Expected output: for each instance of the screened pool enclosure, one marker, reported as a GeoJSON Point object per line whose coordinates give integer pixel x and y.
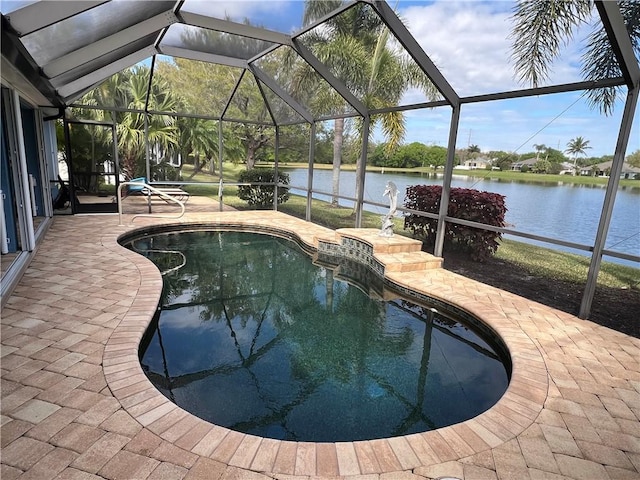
{"type": "Point", "coordinates": [125, 76]}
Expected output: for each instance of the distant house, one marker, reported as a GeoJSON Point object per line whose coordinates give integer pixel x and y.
{"type": "Point", "coordinates": [567, 168]}
{"type": "Point", "coordinates": [479, 163]}
{"type": "Point", "coordinates": [529, 162]}
{"type": "Point", "coordinates": [604, 169]}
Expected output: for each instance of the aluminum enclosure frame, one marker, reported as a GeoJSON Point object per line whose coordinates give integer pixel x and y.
{"type": "Point", "coordinates": [41, 15]}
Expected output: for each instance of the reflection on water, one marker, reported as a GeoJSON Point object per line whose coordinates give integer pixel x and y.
{"type": "Point", "coordinates": [252, 336]}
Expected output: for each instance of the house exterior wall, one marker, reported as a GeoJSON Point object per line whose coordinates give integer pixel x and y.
{"type": "Point", "coordinates": [26, 194]}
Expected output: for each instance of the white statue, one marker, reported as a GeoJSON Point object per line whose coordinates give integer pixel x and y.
{"type": "Point", "coordinates": [387, 220]}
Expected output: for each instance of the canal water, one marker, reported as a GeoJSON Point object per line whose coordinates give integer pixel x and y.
{"type": "Point", "coordinates": [563, 211]}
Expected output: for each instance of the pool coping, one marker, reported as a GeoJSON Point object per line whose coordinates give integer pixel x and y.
{"type": "Point", "coordinates": [510, 416]}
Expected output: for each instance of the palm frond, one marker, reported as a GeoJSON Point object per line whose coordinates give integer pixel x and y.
{"type": "Point", "coordinates": [381, 46]}
{"type": "Point", "coordinates": [316, 9]}
{"type": "Point", "coordinates": [540, 29]}
{"type": "Point", "coordinates": [417, 78]}
{"type": "Point", "coordinates": [394, 128]}
{"type": "Point", "coordinates": [347, 58]}
{"type": "Point", "coordinates": [599, 60]}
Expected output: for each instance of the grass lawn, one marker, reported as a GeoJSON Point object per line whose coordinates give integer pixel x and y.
{"type": "Point", "coordinates": [568, 267]}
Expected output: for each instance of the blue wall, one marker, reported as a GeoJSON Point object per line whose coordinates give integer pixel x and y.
{"type": "Point", "coordinates": [9, 196]}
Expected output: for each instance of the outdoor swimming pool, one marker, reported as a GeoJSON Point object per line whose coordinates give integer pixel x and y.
{"type": "Point", "coordinates": [253, 336]}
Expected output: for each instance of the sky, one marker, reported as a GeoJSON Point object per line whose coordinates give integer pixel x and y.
{"type": "Point", "coordinates": [469, 42]}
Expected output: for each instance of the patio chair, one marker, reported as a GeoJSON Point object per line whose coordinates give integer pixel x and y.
{"type": "Point", "coordinates": [143, 189]}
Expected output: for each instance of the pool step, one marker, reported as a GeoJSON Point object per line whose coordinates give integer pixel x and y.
{"type": "Point", "coordinates": [371, 237]}
{"type": "Point", "coordinates": [383, 254]}
{"type": "Point", "coordinates": [408, 262]}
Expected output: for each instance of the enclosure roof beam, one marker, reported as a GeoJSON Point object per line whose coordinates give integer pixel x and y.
{"type": "Point", "coordinates": [413, 106]}
{"type": "Point", "coordinates": [149, 84]}
{"type": "Point", "coordinates": [140, 110]}
{"type": "Point", "coordinates": [16, 54]}
{"type": "Point", "coordinates": [414, 49]}
{"type": "Point", "coordinates": [108, 44]}
{"type": "Point", "coordinates": [324, 72]}
{"type": "Point", "coordinates": [532, 92]}
{"type": "Point", "coordinates": [103, 73]}
{"type": "Point", "coordinates": [233, 92]}
{"type": "Point", "coordinates": [266, 102]}
{"type": "Point", "coordinates": [203, 57]}
{"type": "Point", "coordinates": [320, 21]}
{"type": "Point", "coordinates": [234, 28]}
{"type": "Point", "coordinates": [614, 25]}
{"type": "Point", "coordinates": [275, 88]}
{"type": "Point", "coordinates": [68, 101]}
{"type": "Point", "coordinates": [38, 15]}
{"type": "Point", "coordinates": [245, 121]}
{"type": "Point", "coordinates": [263, 53]}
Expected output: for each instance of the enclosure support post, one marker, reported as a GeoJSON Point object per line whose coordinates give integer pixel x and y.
{"type": "Point", "coordinates": [147, 152]}
{"type": "Point", "coordinates": [609, 199]}
{"type": "Point", "coordinates": [220, 151]}
{"type": "Point", "coordinates": [312, 153]}
{"type": "Point", "coordinates": [275, 169]}
{"type": "Point", "coordinates": [70, 169]}
{"type": "Point", "coordinates": [360, 171]}
{"type": "Point", "coordinates": [446, 182]}
{"type": "Point", "coordinates": [116, 159]}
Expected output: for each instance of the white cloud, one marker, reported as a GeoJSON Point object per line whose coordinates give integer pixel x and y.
{"type": "Point", "coordinates": [466, 41]}
{"type": "Point", "coordinates": [469, 42]}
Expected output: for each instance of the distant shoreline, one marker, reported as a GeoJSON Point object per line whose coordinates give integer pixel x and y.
{"type": "Point", "coordinates": [503, 175]}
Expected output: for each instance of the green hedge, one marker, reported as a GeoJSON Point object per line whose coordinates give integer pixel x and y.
{"type": "Point", "coordinates": [262, 195]}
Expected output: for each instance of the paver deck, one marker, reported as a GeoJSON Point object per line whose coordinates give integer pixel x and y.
{"type": "Point", "coordinates": [76, 404]}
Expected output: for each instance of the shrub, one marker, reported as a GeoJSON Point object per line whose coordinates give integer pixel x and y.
{"type": "Point", "coordinates": [466, 204]}
{"type": "Point", "coordinates": [262, 195]}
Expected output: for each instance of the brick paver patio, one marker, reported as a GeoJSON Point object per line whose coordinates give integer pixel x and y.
{"type": "Point", "coordinates": [76, 404]}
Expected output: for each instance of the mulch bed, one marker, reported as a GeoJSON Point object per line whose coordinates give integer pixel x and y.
{"type": "Point", "coordinates": [616, 308]}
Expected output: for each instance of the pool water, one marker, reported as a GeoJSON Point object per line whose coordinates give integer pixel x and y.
{"type": "Point", "coordinates": [251, 335]}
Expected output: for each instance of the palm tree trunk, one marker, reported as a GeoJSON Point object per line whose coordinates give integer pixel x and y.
{"type": "Point", "coordinates": [196, 165]}
{"type": "Point", "coordinates": [338, 138]}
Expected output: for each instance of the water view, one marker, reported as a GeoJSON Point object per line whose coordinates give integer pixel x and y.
{"type": "Point", "coordinates": [566, 212]}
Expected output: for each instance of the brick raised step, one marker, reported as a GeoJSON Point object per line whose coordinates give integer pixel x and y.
{"type": "Point", "coordinates": [408, 262]}
{"type": "Point", "coordinates": [371, 236]}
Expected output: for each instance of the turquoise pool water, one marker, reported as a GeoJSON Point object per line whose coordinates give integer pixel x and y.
{"type": "Point", "coordinates": [251, 335]}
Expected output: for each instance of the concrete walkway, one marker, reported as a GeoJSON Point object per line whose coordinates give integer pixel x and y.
{"type": "Point", "coordinates": [76, 404]}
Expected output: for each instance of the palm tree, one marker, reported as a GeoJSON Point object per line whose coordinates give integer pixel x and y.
{"type": "Point", "coordinates": [130, 128]}
{"type": "Point", "coordinates": [356, 47]}
{"type": "Point", "coordinates": [473, 148]}
{"type": "Point", "coordinates": [199, 138]}
{"type": "Point", "coordinates": [575, 147]}
{"type": "Point", "coordinates": [543, 26]}
{"type": "Point", "coordinates": [540, 147]}
{"type": "Point", "coordinates": [128, 89]}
